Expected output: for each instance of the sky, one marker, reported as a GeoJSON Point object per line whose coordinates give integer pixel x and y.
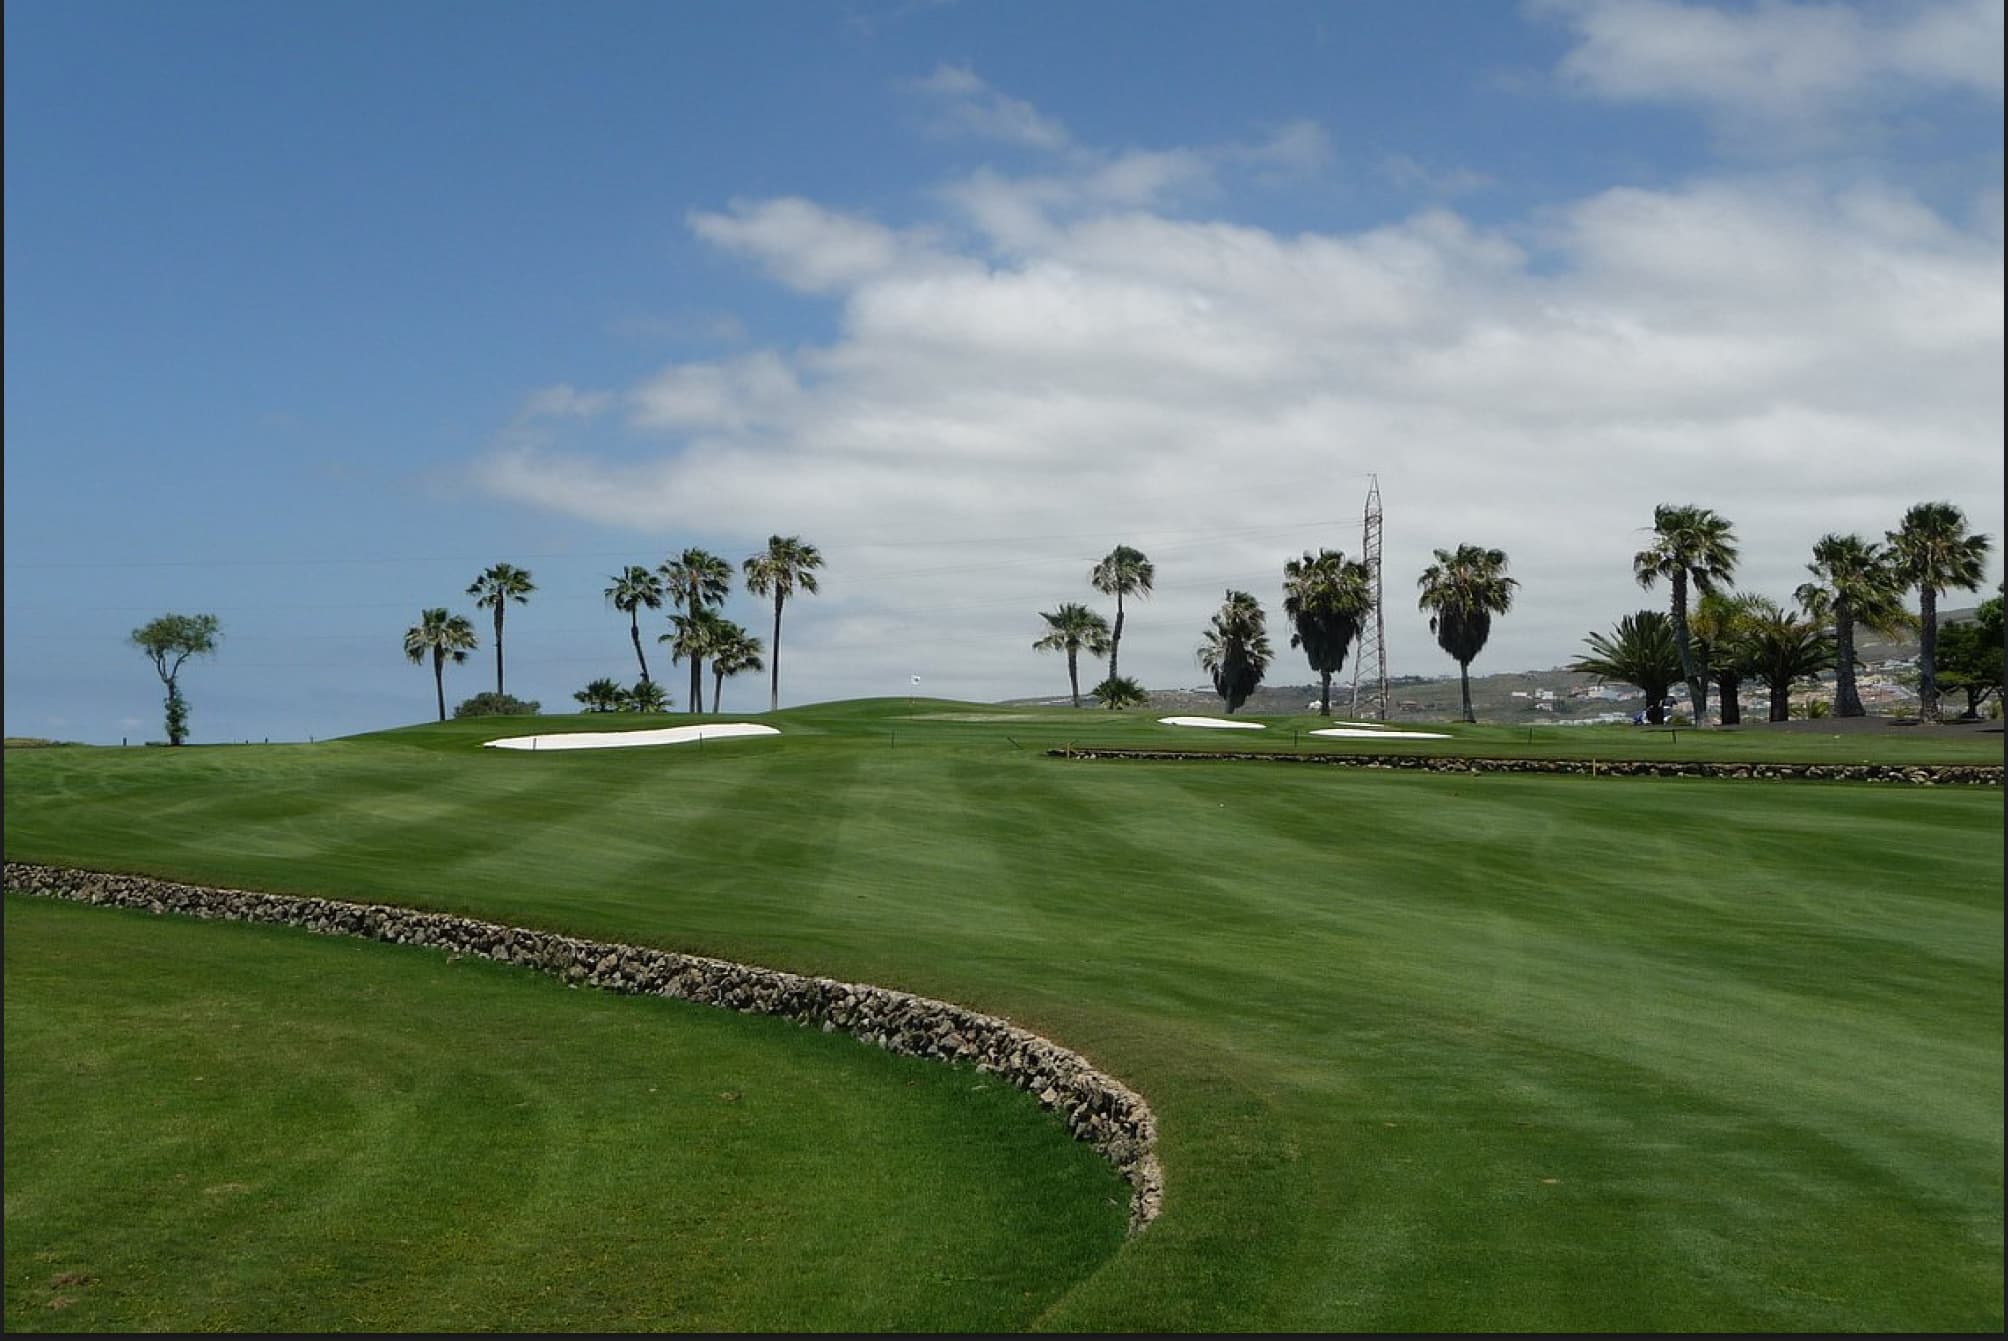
{"type": "Point", "coordinates": [315, 311]}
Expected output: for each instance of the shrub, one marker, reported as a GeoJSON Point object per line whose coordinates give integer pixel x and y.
{"type": "Point", "coordinates": [491, 704]}
{"type": "Point", "coordinates": [1119, 692]}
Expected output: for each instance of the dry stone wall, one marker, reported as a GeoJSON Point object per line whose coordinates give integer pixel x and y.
{"type": "Point", "coordinates": [1980, 775]}
{"type": "Point", "coordinates": [1095, 1107]}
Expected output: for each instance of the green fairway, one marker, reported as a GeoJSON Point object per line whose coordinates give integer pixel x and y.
{"type": "Point", "coordinates": [1428, 1052]}
{"type": "Point", "coordinates": [224, 1128]}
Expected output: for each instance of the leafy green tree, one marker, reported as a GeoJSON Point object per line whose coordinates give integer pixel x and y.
{"type": "Point", "coordinates": [1235, 651]}
{"type": "Point", "coordinates": [485, 704]}
{"type": "Point", "coordinates": [737, 651]}
{"type": "Point", "coordinates": [644, 696]}
{"type": "Point", "coordinates": [1640, 650]}
{"type": "Point", "coordinates": [169, 641]}
{"type": "Point", "coordinates": [1934, 552]}
{"type": "Point", "coordinates": [444, 636]}
{"type": "Point", "coordinates": [635, 588]}
{"type": "Point", "coordinates": [494, 590]}
{"type": "Point", "coordinates": [1784, 650]}
{"type": "Point", "coordinates": [697, 580]}
{"type": "Point", "coordinates": [1122, 572]}
{"type": "Point", "coordinates": [601, 695]}
{"type": "Point", "coordinates": [1689, 543]}
{"type": "Point", "coordinates": [785, 565]}
{"type": "Point", "coordinates": [1073, 628]}
{"type": "Point", "coordinates": [1853, 584]}
{"type": "Point", "coordinates": [1326, 597]}
{"type": "Point", "coordinates": [1463, 589]}
{"type": "Point", "coordinates": [1969, 656]}
{"type": "Point", "coordinates": [693, 636]}
{"type": "Point", "coordinates": [1119, 692]}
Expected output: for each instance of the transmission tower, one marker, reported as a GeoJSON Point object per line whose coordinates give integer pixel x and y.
{"type": "Point", "coordinates": [1373, 632]}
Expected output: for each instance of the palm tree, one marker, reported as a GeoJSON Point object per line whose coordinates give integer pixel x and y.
{"type": "Point", "coordinates": [737, 651]}
{"type": "Point", "coordinates": [1235, 651]}
{"type": "Point", "coordinates": [443, 635]}
{"type": "Point", "coordinates": [695, 580]}
{"type": "Point", "coordinates": [1119, 693]}
{"type": "Point", "coordinates": [634, 588]}
{"type": "Point", "coordinates": [601, 695]}
{"type": "Point", "coordinates": [644, 696]}
{"type": "Point", "coordinates": [1853, 584]}
{"type": "Point", "coordinates": [1722, 626]}
{"type": "Point", "coordinates": [1640, 651]}
{"type": "Point", "coordinates": [1462, 591]}
{"type": "Point", "coordinates": [1070, 629]}
{"type": "Point", "coordinates": [1783, 650]}
{"type": "Point", "coordinates": [1326, 598]}
{"type": "Point", "coordinates": [1933, 552]}
{"type": "Point", "coordinates": [1122, 572]}
{"type": "Point", "coordinates": [503, 583]}
{"type": "Point", "coordinates": [1689, 542]}
{"type": "Point", "coordinates": [786, 563]}
{"type": "Point", "coordinates": [693, 637]}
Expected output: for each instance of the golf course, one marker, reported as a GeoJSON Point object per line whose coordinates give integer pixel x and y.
{"type": "Point", "coordinates": [1427, 1051]}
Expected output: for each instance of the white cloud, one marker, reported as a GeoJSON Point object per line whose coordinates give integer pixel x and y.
{"type": "Point", "coordinates": [1092, 369]}
{"type": "Point", "coordinates": [1788, 65]}
{"type": "Point", "coordinates": [565, 401]}
{"type": "Point", "coordinates": [966, 105]}
{"type": "Point", "coordinates": [1411, 175]}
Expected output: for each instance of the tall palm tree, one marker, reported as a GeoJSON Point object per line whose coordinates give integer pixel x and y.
{"type": "Point", "coordinates": [1639, 651]}
{"type": "Point", "coordinates": [737, 651]}
{"type": "Point", "coordinates": [1852, 585]}
{"type": "Point", "coordinates": [1934, 552]}
{"type": "Point", "coordinates": [693, 637]}
{"type": "Point", "coordinates": [1070, 629]}
{"type": "Point", "coordinates": [1784, 650]}
{"type": "Point", "coordinates": [443, 635]}
{"type": "Point", "coordinates": [786, 564]}
{"type": "Point", "coordinates": [1122, 572]}
{"type": "Point", "coordinates": [635, 588]}
{"type": "Point", "coordinates": [1325, 598]}
{"type": "Point", "coordinates": [696, 580]}
{"type": "Point", "coordinates": [601, 695]}
{"type": "Point", "coordinates": [1462, 590]}
{"type": "Point", "coordinates": [1689, 542]}
{"type": "Point", "coordinates": [503, 583]}
{"type": "Point", "coordinates": [1235, 651]}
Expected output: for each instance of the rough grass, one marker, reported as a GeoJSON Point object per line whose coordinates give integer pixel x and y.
{"type": "Point", "coordinates": [1428, 1052]}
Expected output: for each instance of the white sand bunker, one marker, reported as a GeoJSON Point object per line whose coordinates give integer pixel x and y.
{"type": "Point", "coordinates": [1378, 733]}
{"type": "Point", "coordinates": [1211, 721]}
{"type": "Point", "coordinates": [615, 740]}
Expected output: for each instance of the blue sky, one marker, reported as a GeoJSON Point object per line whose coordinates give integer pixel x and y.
{"type": "Point", "coordinates": [314, 311]}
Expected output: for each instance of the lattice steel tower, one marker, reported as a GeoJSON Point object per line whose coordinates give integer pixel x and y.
{"type": "Point", "coordinates": [1373, 631]}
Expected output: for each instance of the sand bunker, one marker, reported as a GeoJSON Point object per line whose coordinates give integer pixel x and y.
{"type": "Point", "coordinates": [615, 740]}
{"type": "Point", "coordinates": [1378, 733]}
{"type": "Point", "coordinates": [1211, 721]}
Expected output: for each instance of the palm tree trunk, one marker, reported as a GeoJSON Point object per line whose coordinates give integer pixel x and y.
{"type": "Point", "coordinates": [439, 679]}
{"type": "Point", "coordinates": [1697, 685]}
{"type": "Point", "coordinates": [717, 685]}
{"type": "Point", "coordinates": [696, 683]}
{"type": "Point", "coordinates": [498, 649]}
{"type": "Point", "coordinates": [1927, 652]}
{"type": "Point", "coordinates": [774, 681]}
{"type": "Point", "coordinates": [1727, 684]}
{"type": "Point", "coordinates": [1847, 700]}
{"type": "Point", "coordinates": [1324, 693]}
{"type": "Point", "coordinates": [1464, 683]}
{"type": "Point", "coordinates": [1074, 674]}
{"type": "Point", "coordinates": [634, 631]}
{"type": "Point", "coordinates": [1116, 638]}
{"type": "Point", "coordinates": [1781, 700]}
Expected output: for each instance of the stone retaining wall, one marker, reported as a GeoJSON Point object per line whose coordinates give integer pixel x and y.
{"type": "Point", "coordinates": [1095, 1107]}
{"type": "Point", "coordinates": [1979, 775]}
